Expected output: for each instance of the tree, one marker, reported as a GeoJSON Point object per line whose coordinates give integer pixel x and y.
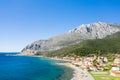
{"type": "Point", "coordinates": [95, 63]}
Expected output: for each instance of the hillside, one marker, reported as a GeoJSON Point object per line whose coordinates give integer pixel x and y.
{"type": "Point", "coordinates": [115, 35]}
{"type": "Point", "coordinates": [108, 45]}
{"type": "Point", "coordinates": [96, 30]}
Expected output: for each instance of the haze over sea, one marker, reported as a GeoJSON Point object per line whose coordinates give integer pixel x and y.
{"type": "Point", "coordinates": [32, 68]}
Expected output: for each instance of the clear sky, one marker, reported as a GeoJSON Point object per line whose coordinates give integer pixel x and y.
{"type": "Point", "coordinates": [25, 21]}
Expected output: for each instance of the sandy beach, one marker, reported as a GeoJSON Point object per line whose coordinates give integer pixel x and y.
{"type": "Point", "coordinates": [79, 74]}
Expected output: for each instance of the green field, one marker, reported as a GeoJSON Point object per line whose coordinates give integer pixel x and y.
{"type": "Point", "coordinates": [104, 76]}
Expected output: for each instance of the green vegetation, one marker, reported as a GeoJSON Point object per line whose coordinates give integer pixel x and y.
{"type": "Point", "coordinates": [107, 46]}
{"type": "Point", "coordinates": [94, 63]}
{"type": "Point", "coordinates": [86, 48]}
{"type": "Point", "coordinates": [104, 76]}
{"type": "Point", "coordinates": [107, 67]}
{"type": "Point", "coordinates": [116, 35]}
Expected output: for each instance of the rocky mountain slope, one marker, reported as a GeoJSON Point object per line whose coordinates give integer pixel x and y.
{"type": "Point", "coordinates": [96, 30]}
{"type": "Point", "coordinates": [106, 46]}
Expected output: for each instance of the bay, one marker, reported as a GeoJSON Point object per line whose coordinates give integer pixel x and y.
{"type": "Point", "coordinates": [32, 68]}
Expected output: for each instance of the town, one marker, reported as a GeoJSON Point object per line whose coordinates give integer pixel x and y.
{"type": "Point", "coordinates": [98, 65]}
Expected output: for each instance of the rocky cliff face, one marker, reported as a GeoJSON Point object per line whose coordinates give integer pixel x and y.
{"type": "Point", "coordinates": [96, 30]}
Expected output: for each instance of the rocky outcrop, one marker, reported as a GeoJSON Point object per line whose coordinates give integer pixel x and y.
{"type": "Point", "coordinates": [96, 30]}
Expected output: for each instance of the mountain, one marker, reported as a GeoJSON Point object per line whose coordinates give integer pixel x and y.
{"type": "Point", "coordinates": [115, 35]}
{"type": "Point", "coordinates": [108, 45]}
{"type": "Point", "coordinates": [96, 30]}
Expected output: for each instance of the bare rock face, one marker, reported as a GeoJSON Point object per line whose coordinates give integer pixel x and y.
{"type": "Point", "coordinates": [96, 30]}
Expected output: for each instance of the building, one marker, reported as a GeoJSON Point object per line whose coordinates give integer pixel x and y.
{"type": "Point", "coordinates": [117, 61]}
{"type": "Point", "coordinates": [115, 71]}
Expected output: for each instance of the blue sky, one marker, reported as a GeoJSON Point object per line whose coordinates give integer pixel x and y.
{"type": "Point", "coordinates": [25, 21]}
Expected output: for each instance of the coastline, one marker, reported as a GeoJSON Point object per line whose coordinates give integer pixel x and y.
{"type": "Point", "coordinates": [78, 73]}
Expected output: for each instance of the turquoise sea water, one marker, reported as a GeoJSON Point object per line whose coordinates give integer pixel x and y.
{"type": "Point", "coordinates": [32, 68]}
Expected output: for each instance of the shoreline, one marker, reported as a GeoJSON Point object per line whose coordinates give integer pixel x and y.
{"type": "Point", "coordinates": [78, 73]}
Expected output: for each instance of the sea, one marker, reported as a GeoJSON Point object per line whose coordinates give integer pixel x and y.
{"type": "Point", "coordinates": [32, 68]}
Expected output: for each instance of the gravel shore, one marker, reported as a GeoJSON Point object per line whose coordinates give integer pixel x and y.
{"type": "Point", "coordinates": [79, 74]}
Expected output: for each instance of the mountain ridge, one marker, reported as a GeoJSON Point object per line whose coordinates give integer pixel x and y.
{"type": "Point", "coordinates": [96, 30]}
{"type": "Point", "coordinates": [102, 47]}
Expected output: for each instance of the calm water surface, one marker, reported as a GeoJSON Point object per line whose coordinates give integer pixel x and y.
{"type": "Point", "coordinates": [32, 68]}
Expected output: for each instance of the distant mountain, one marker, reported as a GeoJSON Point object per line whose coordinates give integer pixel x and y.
{"type": "Point", "coordinates": [96, 30]}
